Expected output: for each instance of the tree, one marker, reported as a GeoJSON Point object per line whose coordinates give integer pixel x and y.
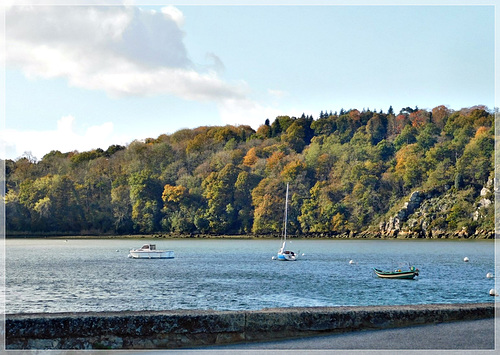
{"type": "Point", "coordinates": [245, 183]}
{"type": "Point", "coordinates": [279, 125]}
{"type": "Point", "coordinates": [346, 127]}
{"type": "Point", "coordinates": [400, 122]}
{"type": "Point", "coordinates": [176, 209]}
{"type": "Point", "coordinates": [275, 162]}
{"type": "Point", "coordinates": [145, 197]}
{"type": "Point", "coordinates": [219, 192]}
{"type": "Point", "coordinates": [377, 128]}
{"type": "Point", "coordinates": [294, 136]}
{"type": "Point", "coordinates": [324, 126]}
{"type": "Point", "coordinates": [94, 193]}
{"type": "Point", "coordinates": [407, 136]}
{"type": "Point", "coordinates": [292, 170]}
{"type": "Point", "coordinates": [476, 163]}
{"type": "Point", "coordinates": [122, 209]}
{"type": "Point", "coordinates": [52, 202]}
{"type": "Point", "coordinates": [441, 176]}
{"type": "Point", "coordinates": [17, 217]}
{"type": "Point", "coordinates": [264, 131]}
{"type": "Point", "coordinates": [410, 165]}
{"type": "Point", "coordinates": [319, 214]}
{"type": "Point", "coordinates": [268, 201]}
{"type": "Point", "coordinates": [428, 136]}
{"type": "Point", "coordinates": [419, 118]}
{"type": "Point", "coordinates": [251, 157]}
{"type": "Point", "coordinates": [384, 150]}
{"type": "Point", "coordinates": [439, 116]}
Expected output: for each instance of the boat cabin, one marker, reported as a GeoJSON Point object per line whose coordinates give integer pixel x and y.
{"type": "Point", "coordinates": [149, 247]}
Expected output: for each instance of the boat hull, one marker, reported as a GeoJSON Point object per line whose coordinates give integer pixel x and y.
{"type": "Point", "coordinates": [286, 257]}
{"type": "Point", "coordinates": [395, 274]}
{"type": "Point", "coordinates": [156, 254]}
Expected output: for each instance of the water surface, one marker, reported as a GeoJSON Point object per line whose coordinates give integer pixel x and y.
{"type": "Point", "coordinates": [55, 275]}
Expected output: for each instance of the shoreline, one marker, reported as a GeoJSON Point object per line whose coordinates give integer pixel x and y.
{"type": "Point", "coordinates": [360, 236]}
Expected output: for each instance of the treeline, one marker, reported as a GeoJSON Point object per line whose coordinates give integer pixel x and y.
{"type": "Point", "coordinates": [346, 170]}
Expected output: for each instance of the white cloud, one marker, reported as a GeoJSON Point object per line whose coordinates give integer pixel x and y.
{"type": "Point", "coordinates": [246, 112]}
{"type": "Point", "coordinates": [121, 50]}
{"type": "Point", "coordinates": [277, 93]}
{"type": "Point", "coordinates": [63, 138]}
{"type": "Point", "coordinates": [174, 13]}
{"type": "Point", "coordinates": [217, 64]}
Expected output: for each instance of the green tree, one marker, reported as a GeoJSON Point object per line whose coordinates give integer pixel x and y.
{"type": "Point", "coordinates": [145, 197]}
{"type": "Point", "coordinates": [410, 165]}
{"type": "Point", "coordinates": [178, 207]}
{"type": "Point", "coordinates": [17, 217]}
{"type": "Point", "coordinates": [320, 214]}
{"type": "Point", "coordinates": [95, 193]}
{"type": "Point", "coordinates": [407, 136]}
{"type": "Point", "coordinates": [476, 163]}
{"type": "Point", "coordinates": [122, 209]}
{"type": "Point", "coordinates": [245, 183]}
{"type": "Point", "coordinates": [52, 202]}
{"type": "Point", "coordinates": [219, 190]}
{"type": "Point", "coordinates": [377, 128]}
{"type": "Point", "coordinates": [295, 137]}
{"type": "Point", "coordinates": [428, 136]}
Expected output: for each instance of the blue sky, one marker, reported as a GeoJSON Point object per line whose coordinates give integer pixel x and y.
{"type": "Point", "coordinates": [79, 78]}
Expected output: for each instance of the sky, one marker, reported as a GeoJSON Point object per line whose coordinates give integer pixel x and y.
{"type": "Point", "coordinates": [86, 77]}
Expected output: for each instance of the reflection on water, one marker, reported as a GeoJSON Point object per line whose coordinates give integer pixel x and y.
{"type": "Point", "coordinates": [54, 275]}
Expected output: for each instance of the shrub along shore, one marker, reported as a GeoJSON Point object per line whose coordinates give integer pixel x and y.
{"type": "Point", "coordinates": [462, 235]}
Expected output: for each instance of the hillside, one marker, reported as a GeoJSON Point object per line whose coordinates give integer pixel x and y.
{"type": "Point", "coordinates": [418, 173]}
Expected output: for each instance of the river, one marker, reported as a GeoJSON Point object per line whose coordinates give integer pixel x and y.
{"type": "Point", "coordinates": [78, 275]}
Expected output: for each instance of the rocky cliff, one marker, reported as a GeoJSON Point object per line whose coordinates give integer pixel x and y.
{"type": "Point", "coordinates": [443, 214]}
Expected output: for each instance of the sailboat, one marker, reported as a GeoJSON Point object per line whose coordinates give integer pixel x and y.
{"type": "Point", "coordinates": [283, 253]}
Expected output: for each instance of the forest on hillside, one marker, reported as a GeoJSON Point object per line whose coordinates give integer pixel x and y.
{"type": "Point", "coordinates": [347, 170]}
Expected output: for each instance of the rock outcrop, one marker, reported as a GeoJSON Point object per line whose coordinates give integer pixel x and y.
{"type": "Point", "coordinates": [427, 215]}
{"type": "Point", "coordinates": [393, 226]}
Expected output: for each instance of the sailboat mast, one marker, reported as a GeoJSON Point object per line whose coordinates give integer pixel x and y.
{"type": "Point", "coordinates": [286, 209]}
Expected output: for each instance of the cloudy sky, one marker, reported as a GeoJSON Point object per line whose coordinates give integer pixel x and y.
{"type": "Point", "coordinates": [86, 77]}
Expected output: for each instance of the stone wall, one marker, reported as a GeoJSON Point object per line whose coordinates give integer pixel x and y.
{"type": "Point", "coordinates": [178, 329]}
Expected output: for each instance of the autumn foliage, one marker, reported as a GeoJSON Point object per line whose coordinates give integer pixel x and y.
{"type": "Point", "coordinates": [346, 170]}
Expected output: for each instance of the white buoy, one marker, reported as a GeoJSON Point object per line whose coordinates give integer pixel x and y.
{"type": "Point", "coordinates": [351, 261]}
{"type": "Point", "coordinates": [303, 254]}
{"type": "Point", "coordinates": [489, 275]}
{"type": "Point", "coordinates": [466, 259]}
{"type": "Point", "coordinates": [493, 292]}
{"type": "Point", "coordinates": [273, 258]}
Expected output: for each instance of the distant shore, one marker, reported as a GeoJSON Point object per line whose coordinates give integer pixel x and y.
{"type": "Point", "coordinates": [373, 235]}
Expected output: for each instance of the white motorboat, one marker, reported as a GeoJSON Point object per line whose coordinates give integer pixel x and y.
{"type": "Point", "coordinates": [149, 251]}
